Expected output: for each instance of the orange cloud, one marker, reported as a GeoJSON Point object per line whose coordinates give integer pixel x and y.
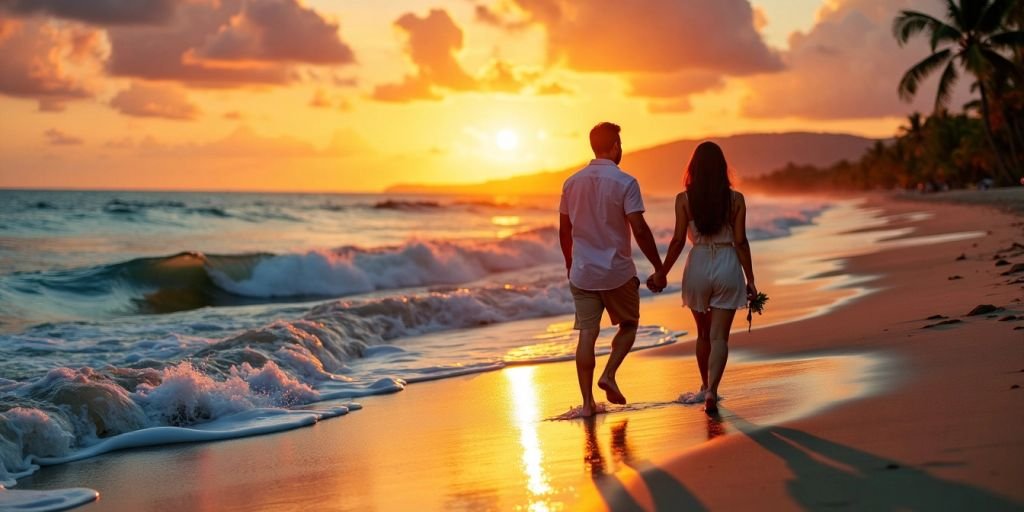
{"type": "Point", "coordinates": [846, 67]}
{"type": "Point", "coordinates": [683, 83]}
{"type": "Point", "coordinates": [321, 99]}
{"type": "Point", "coordinates": [226, 43]}
{"type": "Point", "coordinates": [48, 62]}
{"type": "Point", "coordinates": [653, 35]}
{"type": "Point", "coordinates": [245, 144]}
{"type": "Point", "coordinates": [671, 91]}
{"type": "Point", "coordinates": [760, 19]}
{"type": "Point", "coordinates": [433, 41]}
{"type": "Point", "coordinates": [106, 12]}
{"type": "Point", "coordinates": [551, 89]}
{"type": "Point", "coordinates": [55, 137]}
{"type": "Point", "coordinates": [153, 100]}
{"type": "Point", "coordinates": [279, 30]}
{"type": "Point", "coordinates": [671, 106]}
{"type": "Point", "coordinates": [670, 49]}
{"type": "Point", "coordinates": [411, 88]}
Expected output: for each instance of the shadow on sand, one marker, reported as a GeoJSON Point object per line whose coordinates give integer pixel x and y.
{"type": "Point", "coordinates": [667, 493]}
{"type": "Point", "coordinates": [830, 475]}
{"type": "Point", "coordinates": [826, 475]}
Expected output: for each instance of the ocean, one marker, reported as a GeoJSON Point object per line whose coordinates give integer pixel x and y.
{"type": "Point", "coordinates": [141, 318]}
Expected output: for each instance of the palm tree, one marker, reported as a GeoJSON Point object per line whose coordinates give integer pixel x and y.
{"type": "Point", "coordinates": [911, 141]}
{"type": "Point", "coordinates": [972, 35]}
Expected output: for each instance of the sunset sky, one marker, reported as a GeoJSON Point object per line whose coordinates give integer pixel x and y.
{"type": "Point", "coordinates": [357, 95]}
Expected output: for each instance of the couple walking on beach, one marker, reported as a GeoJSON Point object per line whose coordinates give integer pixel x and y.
{"type": "Point", "coordinates": [599, 207]}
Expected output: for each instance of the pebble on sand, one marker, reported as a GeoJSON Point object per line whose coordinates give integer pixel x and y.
{"type": "Point", "coordinates": [983, 309]}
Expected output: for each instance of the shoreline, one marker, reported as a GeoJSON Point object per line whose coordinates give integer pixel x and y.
{"type": "Point", "coordinates": [561, 373]}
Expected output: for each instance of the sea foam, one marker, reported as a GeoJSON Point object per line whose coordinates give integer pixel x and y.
{"type": "Point", "coordinates": [267, 377]}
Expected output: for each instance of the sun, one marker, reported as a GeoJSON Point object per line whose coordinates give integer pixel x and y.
{"type": "Point", "coordinates": [506, 139]}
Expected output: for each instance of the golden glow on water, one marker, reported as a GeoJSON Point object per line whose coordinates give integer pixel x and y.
{"type": "Point", "coordinates": [505, 220]}
{"type": "Point", "coordinates": [526, 414]}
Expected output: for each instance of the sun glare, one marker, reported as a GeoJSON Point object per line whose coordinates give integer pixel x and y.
{"type": "Point", "coordinates": [506, 139]}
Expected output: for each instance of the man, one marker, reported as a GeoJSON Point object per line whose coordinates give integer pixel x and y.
{"type": "Point", "coordinates": [600, 205]}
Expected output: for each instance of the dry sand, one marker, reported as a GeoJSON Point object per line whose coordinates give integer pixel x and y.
{"type": "Point", "coordinates": [854, 406]}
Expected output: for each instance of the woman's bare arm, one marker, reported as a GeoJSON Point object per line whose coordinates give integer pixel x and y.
{"type": "Point", "coordinates": [739, 237]}
{"type": "Point", "coordinates": [675, 247]}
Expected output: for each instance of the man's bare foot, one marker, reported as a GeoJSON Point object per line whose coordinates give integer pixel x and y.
{"type": "Point", "coordinates": [710, 402]}
{"type": "Point", "coordinates": [593, 409]}
{"type": "Point", "coordinates": [611, 389]}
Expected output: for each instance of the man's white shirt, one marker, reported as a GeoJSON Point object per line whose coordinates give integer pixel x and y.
{"type": "Point", "coordinates": [597, 200]}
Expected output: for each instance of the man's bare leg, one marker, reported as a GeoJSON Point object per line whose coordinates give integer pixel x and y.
{"type": "Point", "coordinates": [585, 368]}
{"type": "Point", "coordinates": [621, 345]}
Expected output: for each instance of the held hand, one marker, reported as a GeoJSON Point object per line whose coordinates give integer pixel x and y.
{"type": "Point", "coordinates": [751, 291]}
{"type": "Point", "coordinates": [650, 283]}
{"type": "Point", "coordinates": [661, 280]}
{"type": "Point", "coordinates": [656, 282]}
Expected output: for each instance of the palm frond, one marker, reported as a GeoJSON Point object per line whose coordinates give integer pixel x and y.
{"type": "Point", "coordinates": [973, 60]}
{"type": "Point", "coordinates": [912, 78]}
{"type": "Point", "coordinates": [953, 13]}
{"type": "Point", "coordinates": [971, 12]}
{"type": "Point", "coordinates": [1000, 64]}
{"type": "Point", "coordinates": [1007, 39]}
{"type": "Point", "coordinates": [908, 24]}
{"type": "Point", "coordinates": [994, 15]}
{"type": "Point", "coordinates": [946, 83]}
{"type": "Point", "coordinates": [944, 33]}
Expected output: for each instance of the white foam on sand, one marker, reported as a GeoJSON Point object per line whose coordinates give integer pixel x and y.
{"type": "Point", "coordinates": [244, 424]}
{"type": "Point", "coordinates": [694, 397]}
{"type": "Point", "coordinates": [45, 501]}
{"type": "Point", "coordinates": [74, 414]}
{"type": "Point", "coordinates": [576, 412]}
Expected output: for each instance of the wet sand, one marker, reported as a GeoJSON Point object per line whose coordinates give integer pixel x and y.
{"type": "Point", "coordinates": [943, 432]}
{"type": "Point", "coordinates": [852, 406]}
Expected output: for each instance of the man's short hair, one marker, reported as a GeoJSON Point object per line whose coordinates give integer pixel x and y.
{"type": "Point", "coordinates": [604, 136]}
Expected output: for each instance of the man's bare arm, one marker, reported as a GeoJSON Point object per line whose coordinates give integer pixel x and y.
{"type": "Point", "coordinates": [645, 239]}
{"type": "Point", "coordinates": [565, 240]}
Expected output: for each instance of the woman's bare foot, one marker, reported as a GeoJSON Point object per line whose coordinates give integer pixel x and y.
{"type": "Point", "coordinates": [710, 402]}
{"type": "Point", "coordinates": [611, 389]}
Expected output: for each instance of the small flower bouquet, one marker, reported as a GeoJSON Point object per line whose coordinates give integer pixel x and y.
{"type": "Point", "coordinates": [756, 306]}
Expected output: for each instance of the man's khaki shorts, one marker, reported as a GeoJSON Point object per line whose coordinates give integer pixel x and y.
{"type": "Point", "coordinates": [622, 303]}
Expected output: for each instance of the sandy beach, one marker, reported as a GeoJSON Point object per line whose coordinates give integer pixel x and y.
{"type": "Point", "coordinates": [943, 432]}
{"type": "Point", "coordinates": [862, 404]}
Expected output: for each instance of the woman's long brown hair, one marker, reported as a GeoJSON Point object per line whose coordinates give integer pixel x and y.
{"type": "Point", "coordinates": [708, 188]}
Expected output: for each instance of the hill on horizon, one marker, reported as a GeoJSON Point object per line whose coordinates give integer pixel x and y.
{"type": "Point", "coordinates": [659, 169]}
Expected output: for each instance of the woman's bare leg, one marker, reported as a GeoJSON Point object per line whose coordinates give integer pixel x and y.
{"type": "Point", "coordinates": [721, 323]}
{"type": "Point", "coordinates": [703, 345]}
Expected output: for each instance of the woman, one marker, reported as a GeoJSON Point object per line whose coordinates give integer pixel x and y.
{"type": "Point", "coordinates": [713, 216]}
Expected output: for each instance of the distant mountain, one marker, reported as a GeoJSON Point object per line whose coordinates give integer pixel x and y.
{"type": "Point", "coordinates": [659, 169]}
